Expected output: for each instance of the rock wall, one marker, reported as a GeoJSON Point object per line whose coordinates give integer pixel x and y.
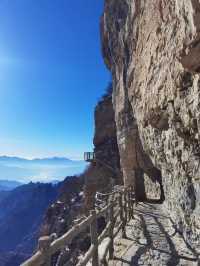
{"type": "Point", "coordinates": [105, 171]}
{"type": "Point", "coordinates": [152, 49]}
{"type": "Point", "coordinates": [105, 138]}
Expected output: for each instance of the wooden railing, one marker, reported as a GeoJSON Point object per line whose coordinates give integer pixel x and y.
{"type": "Point", "coordinates": [118, 210]}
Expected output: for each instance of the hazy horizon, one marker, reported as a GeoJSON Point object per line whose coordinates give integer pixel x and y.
{"type": "Point", "coordinates": [42, 170]}
{"type": "Point", "coordinates": [81, 158]}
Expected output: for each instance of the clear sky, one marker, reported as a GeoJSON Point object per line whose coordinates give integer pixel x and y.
{"type": "Point", "coordinates": [51, 76]}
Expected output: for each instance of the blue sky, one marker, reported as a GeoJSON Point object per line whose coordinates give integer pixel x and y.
{"type": "Point", "coordinates": [51, 76]}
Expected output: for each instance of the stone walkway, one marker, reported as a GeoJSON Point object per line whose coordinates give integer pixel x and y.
{"type": "Point", "coordinates": [152, 240]}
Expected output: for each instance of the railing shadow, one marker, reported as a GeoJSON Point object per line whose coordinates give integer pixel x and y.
{"type": "Point", "coordinates": [192, 249]}
{"type": "Point", "coordinates": [153, 201]}
{"type": "Point", "coordinates": [150, 206]}
{"type": "Point", "coordinates": [134, 261]}
{"type": "Point", "coordinates": [174, 256]}
{"type": "Point", "coordinates": [151, 214]}
{"type": "Point", "coordinates": [142, 250]}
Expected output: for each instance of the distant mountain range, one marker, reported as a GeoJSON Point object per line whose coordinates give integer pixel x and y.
{"type": "Point", "coordinates": [52, 160]}
{"type": "Point", "coordinates": [39, 169]}
{"type": "Point", "coordinates": [6, 185]}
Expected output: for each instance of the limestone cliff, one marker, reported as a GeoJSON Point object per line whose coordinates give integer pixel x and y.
{"type": "Point", "coordinates": [152, 49]}
{"type": "Point", "coordinates": [105, 171]}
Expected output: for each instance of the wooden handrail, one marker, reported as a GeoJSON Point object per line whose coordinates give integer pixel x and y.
{"type": "Point", "coordinates": [121, 208]}
{"type": "Point", "coordinates": [109, 193]}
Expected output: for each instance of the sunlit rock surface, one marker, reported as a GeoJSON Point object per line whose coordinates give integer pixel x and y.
{"type": "Point", "coordinates": [152, 50]}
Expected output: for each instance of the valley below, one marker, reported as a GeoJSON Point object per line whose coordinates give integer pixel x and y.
{"type": "Point", "coordinates": [27, 211]}
{"type": "Point", "coordinates": [27, 189]}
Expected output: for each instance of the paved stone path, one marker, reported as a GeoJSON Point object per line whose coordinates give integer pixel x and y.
{"type": "Point", "coordinates": [152, 240]}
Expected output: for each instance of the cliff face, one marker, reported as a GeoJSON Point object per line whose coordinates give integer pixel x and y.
{"type": "Point", "coordinates": [105, 171]}
{"type": "Point", "coordinates": [105, 138]}
{"type": "Point", "coordinates": [152, 49]}
{"type": "Point", "coordinates": [67, 207]}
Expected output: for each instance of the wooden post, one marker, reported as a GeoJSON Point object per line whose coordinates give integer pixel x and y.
{"type": "Point", "coordinates": [120, 206]}
{"type": "Point", "coordinates": [44, 245]}
{"type": "Point", "coordinates": [129, 204]}
{"type": "Point", "coordinates": [122, 216]}
{"type": "Point", "coordinates": [107, 200]}
{"type": "Point", "coordinates": [111, 220]}
{"type": "Point", "coordinates": [125, 211]}
{"type": "Point", "coordinates": [132, 203]}
{"type": "Point", "coordinates": [94, 238]}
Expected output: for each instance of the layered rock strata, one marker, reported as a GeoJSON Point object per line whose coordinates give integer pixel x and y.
{"type": "Point", "coordinates": [152, 50]}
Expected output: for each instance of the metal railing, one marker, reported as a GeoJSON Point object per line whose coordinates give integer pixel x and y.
{"type": "Point", "coordinates": [118, 207]}
{"type": "Point", "coordinates": [89, 156]}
